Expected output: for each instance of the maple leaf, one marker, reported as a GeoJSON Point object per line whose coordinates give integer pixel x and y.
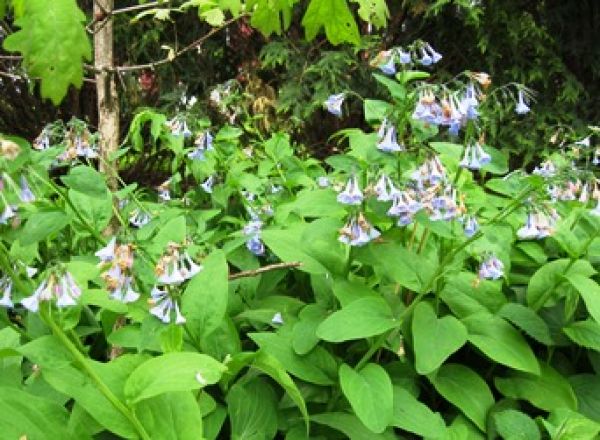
{"type": "Point", "coordinates": [54, 44]}
{"type": "Point", "coordinates": [335, 17]}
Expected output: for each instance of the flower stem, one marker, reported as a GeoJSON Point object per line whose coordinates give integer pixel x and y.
{"type": "Point", "coordinates": [82, 361]}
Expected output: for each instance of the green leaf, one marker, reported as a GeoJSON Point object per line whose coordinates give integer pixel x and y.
{"type": "Point", "coordinates": [514, 425]}
{"type": "Point", "coordinates": [172, 372]}
{"type": "Point", "coordinates": [86, 180]}
{"type": "Point", "coordinates": [42, 225]}
{"type": "Point", "coordinates": [500, 341]}
{"type": "Point", "coordinates": [23, 415]}
{"type": "Point", "coordinates": [350, 426]}
{"type": "Point", "coordinates": [204, 302]}
{"type": "Point", "coordinates": [270, 16]}
{"type": "Point", "coordinates": [77, 385]}
{"type": "Point", "coordinates": [466, 390]}
{"type": "Point", "coordinates": [335, 17]}
{"type": "Point", "coordinates": [54, 44]}
{"type": "Point", "coordinates": [370, 394]}
{"type": "Point", "coordinates": [317, 367]}
{"type": "Point", "coordinates": [278, 147]}
{"type": "Point", "coordinates": [527, 320]}
{"type": "Point", "coordinates": [548, 277]}
{"type": "Point", "coordinates": [565, 424]}
{"type": "Point", "coordinates": [416, 417]}
{"type": "Point", "coordinates": [587, 390]}
{"type": "Point", "coordinates": [589, 291]}
{"type": "Point", "coordinates": [305, 330]}
{"type": "Point", "coordinates": [376, 110]}
{"type": "Point", "coordinates": [252, 411]}
{"type": "Point", "coordinates": [271, 366]}
{"type": "Point", "coordinates": [171, 416]}
{"type": "Point", "coordinates": [584, 333]}
{"type": "Point", "coordinates": [435, 339]}
{"type": "Point", "coordinates": [373, 11]}
{"type": "Point", "coordinates": [397, 90]}
{"type": "Point", "coordinates": [407, 76]}
{"type": "Point", "coordinates": [362, 318]}
{"type": "Point", "coordinates": [547, 391]}
{"type": "Point", "coordinates": [287, 246]}
{"type": "Point", "coordinates": [95, 210]}
{"type": "Point", "coordinates": [404, 266]}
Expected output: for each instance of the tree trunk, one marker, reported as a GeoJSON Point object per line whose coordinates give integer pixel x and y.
{"type": "Point", "coordinates": [106, 87]}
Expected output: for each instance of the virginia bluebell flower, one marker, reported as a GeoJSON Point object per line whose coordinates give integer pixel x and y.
{"type": "Point", "coordinates": [492, 268]}
{"type": "Point", "coordinates": [469, 103]}
{"type": "Point", "coordinates": [435, 56]}
{"type": "Point", "coordinates": [426, 59]}
{"type": "Point", "coordinates": [175, 267]}
{"type": "Point", "coordinates": [178, 126]}
{"type": "Point", "coordinates": [207, 185]}
{"type": "Point", "coordinates": [384, 189]}
{"type": "Point", "coordinates": [358, 232]}
{"type": "Point", "coordinates": [163, 306]}
{"type": "Point", "coordinates": [255, 245]}
{"type": "Point", "coordinates": [427, 109]}
{"type": "Point", "coordinates": [585, 142]}
{"type": "Point", "coordinates": [323, 181]}
{"type": "Point", "coordinates": [538, 225]}
{"type": "Point", "coordinates": [405, 57]}
{"type": "Point", "coordinates": [471, 226]}
{"type": "Point", "coordinates": [475, 157]}
{"type": "Point", "coordinates": [596, 210]}
{"type": "Point", "coordinates": [596, 159]}
{"type": "Point", "coordinates": [26, 195]}
{"type": "Point", "coordinates": [389, 66]}
{"type": "Point", "coordinates": [8, 213]}
{"type": "Point", "coordinates": [334, 104]}
{"type": "Point", "coordinates": [42, 142]}
{"type": "Point", "coordinates": [107, 253]}
{"type": "Point", "coordinates": [139, 218]}
{"type": "Point", "coordinates": [64, 289]}
{"type": "Point", "coordinates": [521, 107]}
{"type": "Point", "coordinates": [164, 193]}
{"type": "Point", "coordinates": [546, 169]}
{"type": "Point", "coordinates": [352, 195]}
{"type": "Point", "coordinates": [84, 149]}
{"type": "Point", "coordinates": [6, 285]}
{"type": "Point", "coordinates": [277, 319]}
{"type": "Point", "coordinates": [389, 142]}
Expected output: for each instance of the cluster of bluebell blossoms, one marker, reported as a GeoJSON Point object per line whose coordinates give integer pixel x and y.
{"type": "Point", "coordinates": [252, 230]}
{"type": "Point", "coordinates": [23, 193]}
{"type": "Point", "coordinates": [118, 260]}
{"type": "Point", "coordinates": [79, 142]}
{"type": "Point", "coordinates": [422, 53]}
{"type": "Point", "coordinates": [59, 287]}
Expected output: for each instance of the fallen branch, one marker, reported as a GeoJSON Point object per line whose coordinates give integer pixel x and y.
{"type": "Point", "coordinates": [261, 270]}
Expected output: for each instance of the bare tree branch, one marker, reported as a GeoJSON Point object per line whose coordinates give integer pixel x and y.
{"type": "Point", "coordinates": [261, 270]}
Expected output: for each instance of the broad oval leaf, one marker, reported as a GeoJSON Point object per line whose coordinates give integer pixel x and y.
{"type": "Point", "coordinates": [416, 417]}
{"type": "Point", "coordinates": [172, 372]}
{"type": "Point", "coordinates": [362, 318]}
{"type": "Point", "coordinates": [370, 394]}
{"type": "Point", "coordinates": [500, 341]}
{"type": "Point", "coordinates": [466, 390]}
{"type": "Point", "coordinates": [435, 339]}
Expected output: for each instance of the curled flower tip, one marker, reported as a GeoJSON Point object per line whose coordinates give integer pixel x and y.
{"type": "Point", "coordinates": [208, 184]}
{"type": "Point", "coordinates": [492, 269]}
{"type": "Point", "coordinates": [352, 195]}
{"type": "Point", "coordinates": [521, 107]}
{"type": "Point", "coordinates": [333, 104]}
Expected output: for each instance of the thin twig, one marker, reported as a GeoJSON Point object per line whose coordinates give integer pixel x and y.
{"type": "Point", "coordinates": [16, 77]}
{"type": "Point", "coordinates": [261, 270]}
{"type": "Point", "coordinates": [168, 59]}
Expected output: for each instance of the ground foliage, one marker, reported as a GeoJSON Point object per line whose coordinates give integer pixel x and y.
{"type": "Point", "coordinates": [413, 281]}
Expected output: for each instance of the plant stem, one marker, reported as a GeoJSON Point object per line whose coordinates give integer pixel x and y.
{"type": "Point", "coordinates": [82, 361]}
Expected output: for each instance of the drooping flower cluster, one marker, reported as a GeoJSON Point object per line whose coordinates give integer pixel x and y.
{"type": "Point", "coordinates": [387, 138]}
{"type": "Point", "coordinates": [351, 195]}
{"type": "Point", "coordinates": [539, 224]}
{"type": "Point", "coordinates": [491, 268]}
{"type": "Point", "coordinates": [252, 230]}
{"type": "Point", "coordinates": [61, 288]}
{"type": "Point", "coordinates": [420, 53]}
{"type": "Point", "coordinates": [172, 269]}
{"type": "Point", "coordinates": [358, 231]}
{"type": "Point", "coordinates": [139, 218]}
{"type": "Point", "coordinates": [475, 157]}
{"type": "Point", "coordinates": [333, 104]}
{"type": "Point", "coordinates": [202, 144]}
{"type": "Point", "coordinates": [178, 126]}
{"type": "Point", "coordinates": [118, 259]}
